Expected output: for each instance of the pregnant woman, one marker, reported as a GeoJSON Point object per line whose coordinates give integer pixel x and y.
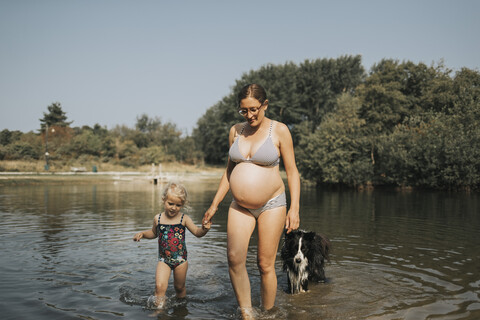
{"type": "Point", "coordinates": [253, 176]}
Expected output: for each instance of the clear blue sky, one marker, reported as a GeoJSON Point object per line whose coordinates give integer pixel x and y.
{"type": "Point", "coordinates": [109, 61]}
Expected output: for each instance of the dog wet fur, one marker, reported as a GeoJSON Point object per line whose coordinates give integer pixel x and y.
{"type": "Point", "coordinates": [304, 254]}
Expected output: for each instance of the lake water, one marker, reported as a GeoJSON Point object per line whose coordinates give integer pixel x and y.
{"type": "Point", "coordinates": [67, 253]}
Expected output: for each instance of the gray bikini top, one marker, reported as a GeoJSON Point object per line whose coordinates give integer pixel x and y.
{"type": "Point", "coordinates": [266, 155]}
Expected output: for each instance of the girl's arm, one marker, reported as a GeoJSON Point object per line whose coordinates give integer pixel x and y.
{"type": "Point", "coordinates": [148, 234]}
{"type": "Point", "coordinates": [194, 229]}
{"type": "Point", "coordinates": [288, 157]}
{"type": "Point", "coordinates": [224, 185]}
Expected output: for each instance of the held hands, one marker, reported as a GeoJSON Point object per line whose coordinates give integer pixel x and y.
{"type": "Point", "coordinates": [207, 217]}
{"type": "Point", "coordinates": [292, 221]}
{"type": "Point", "coordinates": [206, 225]}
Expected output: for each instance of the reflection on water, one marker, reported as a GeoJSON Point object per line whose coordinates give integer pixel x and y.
{"type": "Point", "coordinates": [67, 252]}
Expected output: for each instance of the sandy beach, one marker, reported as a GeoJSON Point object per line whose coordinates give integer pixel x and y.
{"type": "Point", "coordinates": [157, 174]}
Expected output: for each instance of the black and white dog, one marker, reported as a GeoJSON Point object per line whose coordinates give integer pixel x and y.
{"type": "Point", "coordinates": [304, 254]}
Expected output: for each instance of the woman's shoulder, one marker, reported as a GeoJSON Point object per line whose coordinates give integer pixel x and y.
{"type": "Point", "coordinates": [281, 134]}
{"type": "Point", "coordinates": [236, 129]}
{"type": "Point", "coordinates": [280, 127]}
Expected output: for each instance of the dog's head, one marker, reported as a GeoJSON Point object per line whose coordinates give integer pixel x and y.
{"type": "Point", "coordinates": [295, 248]}
{"type": "Point", "coordinates": [301, 246]}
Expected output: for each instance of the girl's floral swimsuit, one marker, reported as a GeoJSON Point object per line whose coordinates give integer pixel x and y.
{"type": "Point", "coordinates": [171, 243]}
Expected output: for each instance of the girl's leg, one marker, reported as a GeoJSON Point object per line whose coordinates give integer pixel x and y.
{"type": "Point", "coordinates": [179, 279]}
{"type": "Point", "coordinates": [271, 224]}
{"type": "Point", "coordinates": [161, 281]}
{"type": "Point", "coordinates": [240, 226]}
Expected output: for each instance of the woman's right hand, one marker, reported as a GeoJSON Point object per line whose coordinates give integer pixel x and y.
{"type": "Point", "coordinates": [207, 217]}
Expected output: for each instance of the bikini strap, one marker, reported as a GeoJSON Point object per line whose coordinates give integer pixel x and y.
{"type": "Point", "coordinates": [158, 224]}
{"type": "Point", "coordinates": [243, 128]}
{"type": "Point", "coordinates": [182, 218]}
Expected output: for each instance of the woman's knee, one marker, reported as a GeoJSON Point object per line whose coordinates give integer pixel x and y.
{"type": "Point", "coordinates": [266, 266]}
{"type": "Point", "coordinates": [235, 259]}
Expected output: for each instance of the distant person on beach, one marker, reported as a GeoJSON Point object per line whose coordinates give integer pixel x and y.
{"type": "Point", "coordinates": [169, 226]}
{"type": "Point", "coordinates": [259, 198]}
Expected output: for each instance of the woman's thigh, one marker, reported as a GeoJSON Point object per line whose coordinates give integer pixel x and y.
{"type": "Point", "coordinates": [271, 224]}
{"type": "Point", "coordinates": [240, 226]}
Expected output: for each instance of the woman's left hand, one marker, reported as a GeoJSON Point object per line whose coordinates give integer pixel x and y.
{"type": "Point", "coordinates": [293, 220]}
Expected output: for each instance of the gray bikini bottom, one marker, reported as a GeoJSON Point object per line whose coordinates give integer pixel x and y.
{"type": "Point", "coordinates": [278, 201]}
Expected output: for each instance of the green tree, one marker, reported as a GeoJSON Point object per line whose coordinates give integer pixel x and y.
{"type": "Point", "coordinates": [438, 148]}
{"type": "Point", "coordinates": [146, 124]}
{"type": "Point", "coordinates": [280, 81]}
{"type": "Point", "coordinates": [86, 143]}
{"type": "Point", "coordinates": [167, 135]}
{"type": "Point", "coordinates": [337, 153]}
{"type": "Point", "coordinates": [7, 136]}
{"type": "Point", "coordinates": [27, 146]}
{"type": "Point", "coordinates": [187, 152]}
{"type": "Point", "coordinates": [55, 116]}
{"type": "Point", "coordinates": [154, 154]}
{"type": "Point", "coordinates": [393, 92]}
{"type": "Point", "coordinates": [321, 81]}
{"type": "Point", "coordinates": [297, 94]}
{"type": "Point", "coordinates": [211, 132]}
{"type": "Point", "coordinates": [22, 151]}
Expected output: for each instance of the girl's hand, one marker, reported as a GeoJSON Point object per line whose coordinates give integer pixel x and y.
{"type": "Point", "coordinates": [138, 236]}
{"type": "Point", "coordinates": [207, 217]}
{"type": "Point", "coordinates": [206, 225]}
{"type": "Point", "coordinates": [293, 220]}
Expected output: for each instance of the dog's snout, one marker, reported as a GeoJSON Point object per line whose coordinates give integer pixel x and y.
{"type": "Point", "coordinates": [298, 260]}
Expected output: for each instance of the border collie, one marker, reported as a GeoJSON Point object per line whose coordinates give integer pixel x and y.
{"type": "Point", "coordinates": [304, 254]}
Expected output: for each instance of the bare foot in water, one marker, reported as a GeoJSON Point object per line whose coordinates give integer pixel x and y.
{"type": "Point", "coordinates": [247, 313]}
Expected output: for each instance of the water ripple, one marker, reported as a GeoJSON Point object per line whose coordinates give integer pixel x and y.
{"type": "Point", "coordinates": [68, 252]}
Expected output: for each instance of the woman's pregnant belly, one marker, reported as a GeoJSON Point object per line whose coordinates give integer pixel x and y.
{"type": "Point", "coordinates": [253, 185]}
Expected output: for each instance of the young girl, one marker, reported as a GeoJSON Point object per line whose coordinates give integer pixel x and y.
{"type": "Point", "coordinates": [169, 227]}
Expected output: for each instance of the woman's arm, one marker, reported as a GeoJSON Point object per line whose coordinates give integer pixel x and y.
{"type": "Point", "coordinates": [224, 185]}
{"type": "Point", "coordinates": [194, 229]}
{"type": "Point", "coordinates": [222, 191]}
{"type": "Point", "coordinates": [293, 177]}
{"type": "Point", "coordinates": [148, 234]}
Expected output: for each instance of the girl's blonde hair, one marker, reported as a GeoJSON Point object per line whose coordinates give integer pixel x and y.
{"type": "Point", "coordinates": [177, 190]}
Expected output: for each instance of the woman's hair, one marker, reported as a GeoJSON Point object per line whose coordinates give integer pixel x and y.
{"type": "Point", "coordinates": [176, 190]}
{"type": "Point", "coordinates": [252, 90]}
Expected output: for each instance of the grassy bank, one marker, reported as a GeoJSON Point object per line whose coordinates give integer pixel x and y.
{"type": "Point", "coordinates": [38, 166]}
{"type": "Point", "coordinates": [33, 172]}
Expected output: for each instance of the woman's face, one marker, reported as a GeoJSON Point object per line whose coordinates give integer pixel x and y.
{"type": "Point", "coordinates": [253, 110]}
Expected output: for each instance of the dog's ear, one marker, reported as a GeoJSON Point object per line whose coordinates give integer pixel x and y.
{"type": "Point", "coordinates": [325, 245]}
{"type": "Point", "coordinates": [289, 235]}
{"type": "Point", "coordinates": [309, 236]}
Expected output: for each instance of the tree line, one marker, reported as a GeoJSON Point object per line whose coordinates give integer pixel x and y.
{"type": "Point", "coordinates": [150, 141]}
{"type": "Point", "coordinates": [400, 124]}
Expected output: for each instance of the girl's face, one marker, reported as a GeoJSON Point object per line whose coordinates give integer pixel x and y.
{"type": "Point", "coordinates": [172, 205]}
{"type": "Point", "coordinates": [253, 110]}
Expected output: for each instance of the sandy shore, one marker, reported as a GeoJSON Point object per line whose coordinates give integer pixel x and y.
{"type": "Point", "coordinates": [25, 178]}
